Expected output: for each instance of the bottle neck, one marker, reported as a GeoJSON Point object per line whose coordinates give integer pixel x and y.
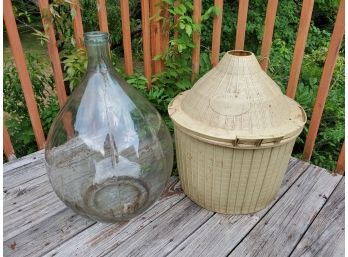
{"type": "Point", "coordinates": [98, 56]}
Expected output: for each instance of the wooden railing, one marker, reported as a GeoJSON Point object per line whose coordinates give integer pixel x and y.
{"type": "Point", "coordinates": [154, 42]}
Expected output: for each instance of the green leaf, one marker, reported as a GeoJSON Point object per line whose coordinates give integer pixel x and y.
{"type": "Point", "coordinates": [188, 29]}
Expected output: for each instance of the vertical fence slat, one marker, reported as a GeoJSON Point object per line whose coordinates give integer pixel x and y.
{"type": "Point", "coordinates": [27, 88]}
{"type": "Point", "coordinates": [197, 12]}
{"type": "Point", "coordinates": [155, 31]}
{"type": "Point", "coordinates": [102, 16]}
{"type": "Point", "coordinates": [126, 34]}
{"type": "Point", "coordinates": [268, 33]}
{"type": "Point", "coordinates": [217, 23]}
{"type": "Point", "coordinates": [302, 33]}
{"type": "Point", "coordinates": [241, 24]}
{"type": "Point", "coordinates": [325, 81]}
{"type": "Point", "coordinates": [53, 51]}
{"type": "Point", "coordinates": [145, 21]}
{"type": "Point", "coordinates": [77, 23]}
{"type": "Point", "coordinates": [56, 64]}
{"type": "Point", "coordinates": [8, 148]}
{"type": "Point", "coordinates": [341, 161]}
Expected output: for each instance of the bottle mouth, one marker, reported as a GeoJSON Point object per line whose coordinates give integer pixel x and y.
{"type": "Point", "coordinates": [240, 53]}
{"type": "Point", "coordinates": [96, 37]}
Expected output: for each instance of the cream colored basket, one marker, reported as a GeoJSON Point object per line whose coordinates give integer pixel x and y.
{"type": "Point", "coordinates": [234, 134]}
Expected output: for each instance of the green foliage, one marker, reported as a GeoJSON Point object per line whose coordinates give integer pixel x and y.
{"type": "Point", "coordinates": [331, 130]}
{"type": "Point", "coordinates": [89, 10]}
{"type": "Point", "coordinates": [62, 20]}
{"type": "Point", "coordinates": [177, 74]}
{"type": "Point", "coordinates": [75, 65]}
{"type": "Point", "coordinates": [21, 13]}
{"type": "Point", "coordinates": [15, 111]}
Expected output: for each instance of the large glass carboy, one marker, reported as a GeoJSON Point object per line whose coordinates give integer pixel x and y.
{"type": "Point", "coordinates": [108, 153]}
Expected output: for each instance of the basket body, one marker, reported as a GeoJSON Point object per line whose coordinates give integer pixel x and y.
{"type": "Point", "coordinates": [230, 180]}
{"type": "Point", "coordinates": [235, 131]}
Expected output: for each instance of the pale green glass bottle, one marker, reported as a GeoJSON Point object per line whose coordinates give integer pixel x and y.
{"type": "Point", "coordinates": [108, 153]}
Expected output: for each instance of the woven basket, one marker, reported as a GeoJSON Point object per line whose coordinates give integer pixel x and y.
{"type": "Point", "coordinates": [234, 133]}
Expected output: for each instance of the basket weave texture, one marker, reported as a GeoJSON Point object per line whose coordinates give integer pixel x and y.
{"type": "Point", "coordinates": [234, 134]}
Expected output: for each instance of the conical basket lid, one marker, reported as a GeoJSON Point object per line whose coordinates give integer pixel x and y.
{"type": "Point", "coordinates": [238, 104]}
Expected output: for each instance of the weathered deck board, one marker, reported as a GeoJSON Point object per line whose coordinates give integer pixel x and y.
{"type": "Point", "coordinates": [47, 235]}
{"type": "Point", "coordinates": [19, 196]}
{"type": "Point", "coordinates": [101, 238]}
{"type": "Point", "coordinates": [221, 233]}
{"type": "Point", "coordinates": [37, 223]}
{"type": "Point", "coordinates": [282, 227]}
{"type": "Point", "coordinates": [166, 232]}
{"type": "Point", "coordinates": [23, 174]}
{"type": "Point", "coordinates": [325, 236]}
{"type": "Point", "coordinates": [20, 162]}
{"type": "Point", "coordinates": [21, 219]}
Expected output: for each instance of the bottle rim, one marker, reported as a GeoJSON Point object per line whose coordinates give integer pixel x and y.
{"type": "Point", "coordinates": [96, 37]}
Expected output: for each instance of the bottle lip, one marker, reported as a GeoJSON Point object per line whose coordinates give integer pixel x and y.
{"type": "Point", "coordinates": [239, 53]}
{"type": "Point", "coordinates": [96, 37]}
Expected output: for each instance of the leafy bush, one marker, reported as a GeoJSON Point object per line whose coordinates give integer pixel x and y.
{"type": "Point", "coordinates": [331, 130]}
{"type": "Point", "coordinates": [15, 111]}
{"type": "Point", "coordinates": [75, 65]}
{"type": "Point", "coordinates": [177, 74]}
{"type": "Point", "coordinates": [89, 10]}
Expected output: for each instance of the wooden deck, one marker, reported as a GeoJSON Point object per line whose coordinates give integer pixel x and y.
{"type": "Point", "coordinates": [306, 219]}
